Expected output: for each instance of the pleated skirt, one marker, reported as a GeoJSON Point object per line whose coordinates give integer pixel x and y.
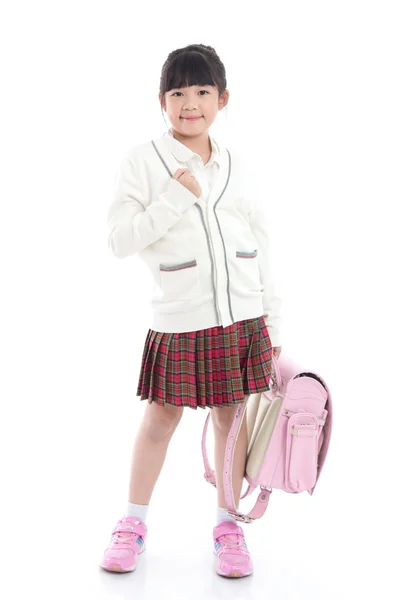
{"type": "Point", "coordinates": [210, 367]}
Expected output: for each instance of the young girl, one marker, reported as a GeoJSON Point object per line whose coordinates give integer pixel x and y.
{"type": "Point", "coordinates": [181, 205]}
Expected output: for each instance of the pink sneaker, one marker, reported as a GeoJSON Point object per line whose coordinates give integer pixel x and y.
{"type": "Point", "coordinates": [233, 557]}
{"type": "Point", "coordinates": [127, 541]}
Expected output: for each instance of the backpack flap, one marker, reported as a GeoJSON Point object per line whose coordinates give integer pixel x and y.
{"type": "Point", "coordinates": [303, 435]}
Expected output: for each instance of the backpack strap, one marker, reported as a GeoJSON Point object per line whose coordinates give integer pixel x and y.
{"type": "Point", "coordinates": [261, 503]}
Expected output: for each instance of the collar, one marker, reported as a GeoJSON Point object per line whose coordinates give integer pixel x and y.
{"type": "Point", "coordinates": [184, 154]}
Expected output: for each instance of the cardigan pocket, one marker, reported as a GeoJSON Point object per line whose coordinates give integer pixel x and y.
{"type": "Point", "coordinates": [242, 254]}
{"type": "Point", "coordinates": [249, 272]}
{"type": "Point", "coordinates": [180, 281]}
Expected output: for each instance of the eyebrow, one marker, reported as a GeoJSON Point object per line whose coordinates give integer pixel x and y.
{"type": "Point", "coordinates": [198, 86]}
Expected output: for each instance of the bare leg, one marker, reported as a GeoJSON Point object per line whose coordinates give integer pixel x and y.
{"type": "Point", "coordinates": [222, 418]}
{"type": "Point", "coordinates": [150, 449]}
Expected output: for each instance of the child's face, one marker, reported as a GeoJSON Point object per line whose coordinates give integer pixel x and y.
{"type": "Point", "coordinates": [194, 101]}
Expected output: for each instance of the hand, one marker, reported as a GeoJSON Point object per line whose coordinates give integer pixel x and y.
{"type": "Point", "coordinates": [189, 181]}
{"type": "Point", "coordinates": [277, 351]}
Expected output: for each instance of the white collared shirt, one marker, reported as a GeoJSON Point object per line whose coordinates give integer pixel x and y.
{"type": "Point", "coordinates": [205, 174]}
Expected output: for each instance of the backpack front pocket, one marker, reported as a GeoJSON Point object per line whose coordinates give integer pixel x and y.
{"type": "Point", "coordinates": [301, 452]}
{"type": "Point", "coordinates": [180, 281]}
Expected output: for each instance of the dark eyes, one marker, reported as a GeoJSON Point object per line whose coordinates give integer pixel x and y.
{"type": "Point", "coordinates": [181, 92]}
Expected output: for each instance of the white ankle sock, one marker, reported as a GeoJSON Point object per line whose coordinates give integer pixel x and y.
{"type": "Point", "coordinates": [222, 515]}
{"type": "Point", "coordinates": [137, 510]}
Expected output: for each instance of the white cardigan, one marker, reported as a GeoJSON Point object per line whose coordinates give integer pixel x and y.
{"type": "Point", "coordinates": [209, 256]}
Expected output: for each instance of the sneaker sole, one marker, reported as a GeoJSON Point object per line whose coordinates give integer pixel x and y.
{"type": "Point", "coordinates": [116, 568]}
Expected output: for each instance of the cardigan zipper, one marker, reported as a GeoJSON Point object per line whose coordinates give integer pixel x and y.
{"type": "Point", "coordinates": [223, 242]}
{"type": "Point", "coordinates": [215, 263]}
{"type": "Point", "coordinates": [212, 264]}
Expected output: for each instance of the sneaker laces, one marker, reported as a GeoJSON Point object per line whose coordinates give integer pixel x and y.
{"type": "Point", "coordinates": [122, 537]}
{"type": "Point", "coordinates": [232, 540]}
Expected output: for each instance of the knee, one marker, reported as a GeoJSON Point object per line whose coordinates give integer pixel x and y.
{"type": "Point", "coordinates": [161, 421]}
{"type": "Point", "coordinates": [222, 417]}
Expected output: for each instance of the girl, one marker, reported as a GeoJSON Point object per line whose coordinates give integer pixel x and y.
{"type": "Point", "coordinates": [180, 205]}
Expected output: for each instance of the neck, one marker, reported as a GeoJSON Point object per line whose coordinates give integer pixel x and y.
{"type": "Point", "coordinates": [201, 144]}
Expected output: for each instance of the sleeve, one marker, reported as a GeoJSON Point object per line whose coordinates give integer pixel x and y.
{"type": "Point", "coordinates": [272, 303]}
{"type": "Point", "coordinates": [132, 222]}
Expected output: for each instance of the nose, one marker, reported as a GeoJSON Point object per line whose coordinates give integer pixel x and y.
{"type": "Point", "coordinates": [191, 102]}
{"type": "Point", "coordinates": [190, 106]}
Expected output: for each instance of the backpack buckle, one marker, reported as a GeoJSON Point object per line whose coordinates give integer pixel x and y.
{"type": "Point", "coordinates": [240, 517]}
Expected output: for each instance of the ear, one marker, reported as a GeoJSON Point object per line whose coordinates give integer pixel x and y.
{"type": "Point", "coordinates": [223, 100]}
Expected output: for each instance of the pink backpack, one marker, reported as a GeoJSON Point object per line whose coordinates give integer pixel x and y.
{"type": "Point", "coordinates": [289, 429]}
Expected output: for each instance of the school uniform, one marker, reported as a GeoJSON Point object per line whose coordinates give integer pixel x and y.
{"type": "Point", "coordinates": [216, 316]}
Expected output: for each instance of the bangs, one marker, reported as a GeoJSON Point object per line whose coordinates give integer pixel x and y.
{"type": "Point", "coordinates": [188, 68]}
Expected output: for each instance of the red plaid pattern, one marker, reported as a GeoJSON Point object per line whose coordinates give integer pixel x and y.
{"type": "Point", "coordinates": [210, 367]}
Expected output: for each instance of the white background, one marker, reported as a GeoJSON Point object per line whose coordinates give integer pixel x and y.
{"type": "Point", "coordinates": [315, 99]}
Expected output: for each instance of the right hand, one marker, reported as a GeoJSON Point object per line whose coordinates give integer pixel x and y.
{"type": "Point", "coordinates": [185, 177]}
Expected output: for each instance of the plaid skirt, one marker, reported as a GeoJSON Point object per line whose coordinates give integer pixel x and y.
{"type": "Point", "coordinates": [210, 367]}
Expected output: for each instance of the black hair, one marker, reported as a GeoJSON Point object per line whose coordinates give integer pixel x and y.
{"type": "Point", "coordinates": [195, 64]}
